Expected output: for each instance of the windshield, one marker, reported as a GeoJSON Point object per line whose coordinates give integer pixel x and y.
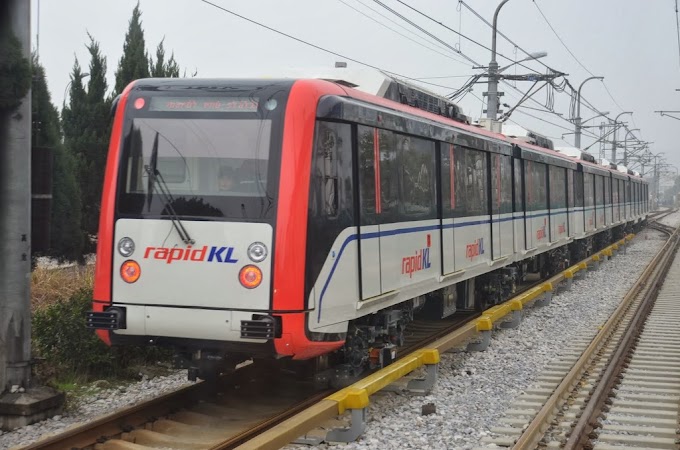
{"type": "Point", "coordinates": [201, 157]}
{"type": "Point", "coordinates": [216, 163]}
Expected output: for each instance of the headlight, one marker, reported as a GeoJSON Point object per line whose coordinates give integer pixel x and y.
{"type": "Point", "coordinates": [257, 252]}
{"type": "Point", "coordinates": [126, 247]}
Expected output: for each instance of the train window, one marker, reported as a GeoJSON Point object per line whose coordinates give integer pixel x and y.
{"type": "Point", "coordinates": [501, 184]}
{"type": "Point", "coordinates": [416, 171]}
{"type": "Point", "coordinates": [475, 183]}
{"type": "Point", "coordinates": [588, 189]}
{"type": "Point", "coordinates": [599, 190]}
{"type": "Point", "coordinates": [578, 189]}
{"type": "Point", "coordinates": [570, 188]}
{"type": "Point", "coordinates": [615, 191]}
{"type": "Point", "coordinates": [389, 176]}
{"type": "Point", "coordinates": [453, 180]}
{"type": "Point", "coordinates": [460, 170]}
{"type": "Point", "coordinates": [495, 183]}
{"type": "Point", "coordinates": [506, 184]}
{"type": "Point", "coordinates": [331, 166]}
{"type": "Point", "coordinates": [368, 178]}
{"type": "Point", "coordinates": [557, 188]}
{"type": "Point", "coordinates": [607, 193]}
{"type": "Point", "coordinates": [536, 184]}
{"type": "Point", "coordinates": [519, 191]}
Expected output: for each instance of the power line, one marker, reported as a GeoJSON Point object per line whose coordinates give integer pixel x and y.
{"type": "Point", "coordinates": [448, 28]}
{"type": "Point", "coordinates": [560, 39]}
{"type": "Point", "coordinates": [677, 24]}
{"type": "Point", "coordinates": [574, 56]}
{"type": "Point", "coordinates": [399, 33]}
{"type": "Point", "coordinates": [302, 41]}
{"type": "Point", "coordinates": [223, 9]}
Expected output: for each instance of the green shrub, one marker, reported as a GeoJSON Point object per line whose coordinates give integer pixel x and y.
{"type": "Point", "coordinates": [71, 350]}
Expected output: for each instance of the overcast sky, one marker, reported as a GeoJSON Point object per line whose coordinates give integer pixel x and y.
{"type": "Point", "coordinates": [633, 44]}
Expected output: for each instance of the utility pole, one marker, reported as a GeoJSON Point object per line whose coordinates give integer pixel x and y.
{"type": "Point", "coordinates": [21, 403]}
{"type": "Point", "coordinates": [492, 103]}
{"type": "Point", "coordinates": [614, 138]}
{"type": "Point", "coordinates": [577, 120]}
{"type": "Point", "coordinates": [625, 145]}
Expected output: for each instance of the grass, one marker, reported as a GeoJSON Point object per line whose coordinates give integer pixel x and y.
{"type": "Point", "coordinates": [50, 285]}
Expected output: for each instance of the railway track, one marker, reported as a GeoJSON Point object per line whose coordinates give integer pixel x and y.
{"type": "Point", "coordinates": [223, 416]}
{"type": "Point", "coordinates": [619, 388]}
{"type": "Point", "coordinates": [203, 417]}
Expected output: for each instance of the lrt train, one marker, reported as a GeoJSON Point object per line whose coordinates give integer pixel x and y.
{"type": "Point", "coordinates": [306, 219]}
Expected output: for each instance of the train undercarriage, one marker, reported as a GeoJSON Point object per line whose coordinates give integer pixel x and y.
{"type": "Point", "coordinates": [373, 341]}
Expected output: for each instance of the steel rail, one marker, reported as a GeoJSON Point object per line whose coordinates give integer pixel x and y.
{"type": "Point", "coordinates": [588, 420]}
{"type": "Point", "coordinates": [532, 435]}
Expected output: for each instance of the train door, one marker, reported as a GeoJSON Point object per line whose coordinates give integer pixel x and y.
{"type": "Point", "coordinates": [472, 218]}
{"type": "Point", "coordinates": [571, 215]}
{"type": "Point", "coordinates": [370, 210]}
{"type": "Point", "coordinates": [452, 171]}
{"type": "Point", "coordinates": [607, 200]}
{"type": "Point", "coordinates": [537, 205]}
{"type": "Point", "coordinates": [506, 215]}
{"type": "Point", "coordinates": [495, 169]}
{"type": "Point", "coordinates": [518, 206]}
{"type": "Point", "coordinates": [558, 206]}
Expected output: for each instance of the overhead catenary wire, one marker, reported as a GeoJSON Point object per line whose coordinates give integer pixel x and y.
{"type": "Point", "coordinates": [604, 84]}
{"type": "Point", "coordinates": [302, 41]}
{"type": "Point", "coordinates": [450, 56]}
{"type": "Point", "coordinates": [677, 25]}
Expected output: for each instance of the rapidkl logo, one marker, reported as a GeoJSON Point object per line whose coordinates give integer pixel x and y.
{"type": "Point", "coordinates": [540, 233]}
{"type": "Point", "coordinates": [561, 228]}
{"type": "Point", "coordinates": [212, 254]}
{"type": "Point", "coordinates": [475, 249]}
{"type": "Point", "coordinates": [418, 262]}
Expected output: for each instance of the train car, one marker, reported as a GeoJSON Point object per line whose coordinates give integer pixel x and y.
{"type": "Point", "coordinates": [308, 220]}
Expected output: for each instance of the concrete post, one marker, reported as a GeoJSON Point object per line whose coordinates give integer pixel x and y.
{"type": "Point", "coordinates": [21, 403]}
{"type": "Point", "coordinates": [15, 223]}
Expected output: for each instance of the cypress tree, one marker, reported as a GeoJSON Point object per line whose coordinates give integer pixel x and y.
{"type": "Point", "coordinates": [161, 68]}
{"type": "Point", "coordinates": [15, 72]}
{"type": "Point", "coordinates": [86, 134]}
{"type": "Point", "coordinates": [66, 239]}
{"type": "Point", "coordinates": [134, 63]}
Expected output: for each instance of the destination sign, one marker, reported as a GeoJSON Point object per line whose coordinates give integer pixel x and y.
{"type": "Point", "coordinates": [203, 104]}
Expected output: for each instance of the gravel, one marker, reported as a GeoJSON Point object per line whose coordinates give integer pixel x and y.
{"type": "Point", "coordinates": [473, 389]}
{"type": "Point", "coordinates": [102, 401]}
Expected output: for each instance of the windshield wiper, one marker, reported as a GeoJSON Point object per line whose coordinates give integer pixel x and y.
{"type": "Point", "coordinates": [156, 181]}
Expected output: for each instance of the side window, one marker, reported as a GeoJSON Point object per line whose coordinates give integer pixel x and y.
{"type": "Point", "coordinates": [417, 177]}
{"type": "Point", "coordinates": [519, 187]}
{"type": "Point", "coordinates": [453, 180]}
{"type": "Point", "coordinates": [476, 183]}
{"type": "Point", "coordinates": [578, 189]}
{"type": "Point", "coordinates": [570, 188]}
{"type": "Point", "coordinates": [495, 183]}
{"type": "Point", "coordinates": [588, 192]}
{"type": "Point", "coordinates": [506, 184]}
{"type": "Point", "coordinates": [331, 163]}
{"type": "Point", "coordinates": [615, 191]}
{"type": "Point", "coordinates": [607, 194]}
{"type": "Point", "coordinates": [599, 189]}
{"type": "Point", "coordinates": [389, 176]}
{"type": "Point", "coordinates": [368, 177]}
{"type": "Point", "coordinates": [539, 184]}
{"type": "Point", "coordinates": [557, 187]}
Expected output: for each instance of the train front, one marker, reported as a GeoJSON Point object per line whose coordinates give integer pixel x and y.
{"type": "Point", "coordinates": [188, 215]}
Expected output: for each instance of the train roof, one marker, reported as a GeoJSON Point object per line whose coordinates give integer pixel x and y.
{"type": "Point", "coordinates": [370, 87]}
